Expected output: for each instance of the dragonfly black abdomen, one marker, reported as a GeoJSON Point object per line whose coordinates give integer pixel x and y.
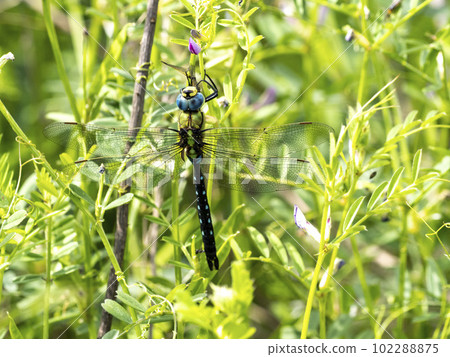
{"type": "Point", "coordinates": [204, 215]}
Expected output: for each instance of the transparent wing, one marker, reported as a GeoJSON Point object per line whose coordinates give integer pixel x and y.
{"type": "Point", "coordinates": [277, 141]}
{"type": "Point", "coordinates": [261, 160]}
{"type": "Point", "coordinates": [150, 160]}
{"type": "Point", "coordinates": [75, 135]}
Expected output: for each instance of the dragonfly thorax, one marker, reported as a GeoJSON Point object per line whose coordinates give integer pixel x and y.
{"type": "Point", "coordinates": [191, 141]}
{"type": "Point", "coordinates": [193, 120]}
{"type": "Point", "coordinates": [190, 99]}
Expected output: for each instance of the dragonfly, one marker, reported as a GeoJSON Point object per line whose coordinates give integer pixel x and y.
{"type": "Point", "coordinates": [245, 159]}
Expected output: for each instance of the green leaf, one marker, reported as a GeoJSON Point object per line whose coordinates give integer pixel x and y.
{"type": "Point", "coordinates": [249, 13]}
{"type": "Point", "coordinates": [8, 237]}
{"type": "Point", "coordinates": [186, 216]}
{"type": "Point", "coordinates": [319, 170]}
{"type": "Point", "coordinates": [394, 181]}
{"type": "Point", "coordinates": [77, 191]}
{"type": "Point", "coordinates": [259, 240]}
{"type": "Point", "coordinates": [352, 231]}
{"type": "Point", "coordinates": [120, 201]}
{"type": "Point", "coordinates": [15, 219]}
{"type": "Point", "coordinates": [171, 241]}
{"type": "Point", "coordinates": [13, 329]}
{"type": "Point", "coordinates": [50, 215]}
{"type": "Point", "coordinates": [228, 227]}
{"type": "Point", "coordinates": [117, 311]}
{"type": "Point", "coordinates": [111, 335]}
{"type": "Point", "coordinates": [393, 132]}
{"type": "Point", "coordinates": [159, 319]}
{"type": "Point", "coordinates": [297, 259]}
{"type": "Point", "coordinates": [416, 165]}
{"type": "Point", "coordinates": [92, 12]}
{"type": "Point", "coordinates": [34, 256]}
{"type": "Point", "coordinates": [22, 279]}
{"type": "Point", "coordinates": [67, 162]}
{"type": "Point", "coordinates": [189, 7]}
{"type": "Point", "coordinates": [65, 271]}
{"type": "Point", "coordinates": [4, 202]}
{"type": "Point", "coordinates": [130, 301]}
{"type": "Point", "coordinates": [171, 295]}
{"type": "Point", "coordinates": [407, 128]}
{"type": "Point", "coordinates": [278, 246]}
{"type": "Point", "coordinates": [434, 280]}
{"type": "Point", "coordinates": [181, 20]}
{"type": "Point", "coordinates": [240, 81]}
{"type": "Point", "coordinates": [410, 117]}
{"type": "Point", "coordinates": [228, 87]}
{"type": "Point", "coordinates": [157, 220]}
{"type": "Point", "coordinates": [256, 40]}
{"type": "Point", "coordinates": [432, 118]}
{"type": "Point", "coordinates": [376, 195]}
{"type": "Point", "coordinates": [228, 23]}
{"type": "Point", "coordinates": [180, 41]}
{"type": "Point", "coordinates": [44, 182]}
{"type": "Point", "coordinates": [65, 250]}
{"type": "Point", "coordinates": [242, 285]}
{"type": "Point", "coordinates": [427, 177]}
{"type": "Point", "coordinates": [180, 264]}
{"type": "Point", "coordinates": [108, 62]}
{"type": "Point", "coordinates": [351, 214]}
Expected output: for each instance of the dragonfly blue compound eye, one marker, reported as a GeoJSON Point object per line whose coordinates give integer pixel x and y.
{"type": "Point", "coordinates": [182, 103]}
{"type": "Point", "coordinates": [196, 102]}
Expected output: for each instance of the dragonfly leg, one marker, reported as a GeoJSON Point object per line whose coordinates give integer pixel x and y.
{"type": "Point", "coordinates": [211, 85]}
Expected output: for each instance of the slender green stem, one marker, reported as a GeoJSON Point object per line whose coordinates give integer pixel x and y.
{"type": "Point", "coordinates": [363, 18]}
{"type": "Point", "coordinates": [362, 278]}
{"type": "Point", "coordinates": [363, 77]}
{"type": "Point", "coordinates": [407, 65]}
{"type": "Point", "coordinates": [48, 278]}
{"type": "Point", "coordinates": [85, 235]}
{"type": "Point", "coordinates": [323, 316]}
{"type": "Point", "coordinates": [115, 16]}
{"type": "Point", "coordinates": [94, 32]}
{"type": "Point", "coordinates": [312, 291]}
{"type": "Point", "coordinates": [58, 59]}
{"type": "Point", "coordinates": [403, 250]}
{"type": "Point", "coordinates": [176, 228]}
{"type": "Point", "coordinates": [317, 269]}
{"type": "Point", "coordinates": [2, 270]}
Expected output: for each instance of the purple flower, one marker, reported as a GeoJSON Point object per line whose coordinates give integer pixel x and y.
{"type": "Point", "coordinates": [194, 47]}
{"type": "Point", "coordinates": [301, 222]}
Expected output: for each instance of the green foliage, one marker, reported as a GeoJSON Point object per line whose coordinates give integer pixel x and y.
{"type": "Point", "coordinates": [386, 95]}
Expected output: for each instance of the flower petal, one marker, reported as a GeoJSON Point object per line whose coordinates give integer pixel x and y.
{"type": "Point", "coordinates": [302, 223]}
{"type": "Point", "coordinates": [299, 217]}
{"type": "Point", "coordinates": [194, 47]}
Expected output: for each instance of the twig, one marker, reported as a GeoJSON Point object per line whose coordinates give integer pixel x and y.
{"type": "Point", "coordinates": [135, 122]}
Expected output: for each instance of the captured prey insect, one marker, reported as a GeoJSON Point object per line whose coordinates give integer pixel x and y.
{"type": "Point", "coordinates": [245, 159]}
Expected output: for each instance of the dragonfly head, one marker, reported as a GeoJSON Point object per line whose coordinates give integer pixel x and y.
{"type": "Point", "coordinates": [190, 99]}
